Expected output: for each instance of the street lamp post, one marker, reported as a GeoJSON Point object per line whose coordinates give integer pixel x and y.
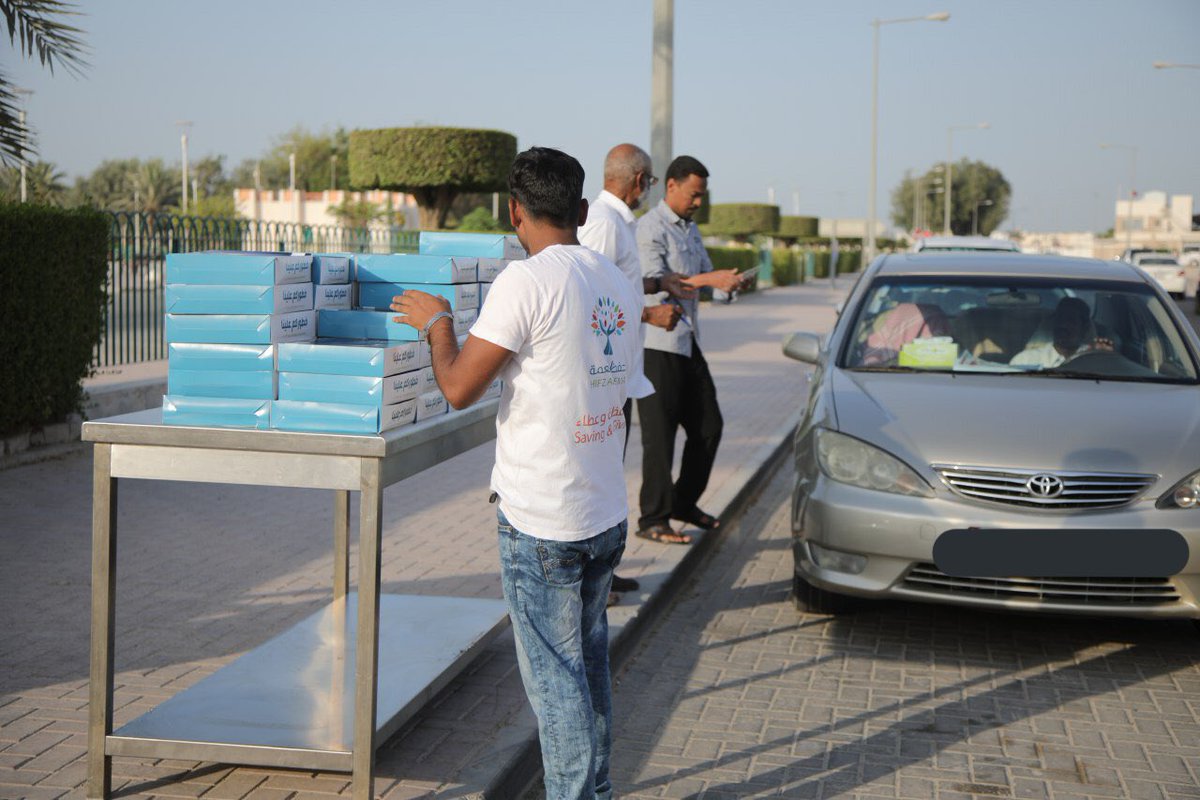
{"type": "Point", "coordinates": [950, 170]}
{"type": "Point", "coordinates": [184, 125]}
{"type": "Point", "coordinates": [940, 16]}
{"type": "Point", "coordinates": [975, 216]}
{"type": "Point", "coordinates": [662, 92]}
{"type": "Point", "coordinates": [24, 93]}
{"type": "Point", "coordinates": [1132, 185]}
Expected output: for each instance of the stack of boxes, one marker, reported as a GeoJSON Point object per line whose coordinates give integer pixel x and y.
{"type": "Point", "coordinates": [241, 330]}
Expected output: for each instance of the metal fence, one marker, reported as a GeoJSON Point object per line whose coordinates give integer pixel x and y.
{"type": "Point", "coordinates": [138, 246]}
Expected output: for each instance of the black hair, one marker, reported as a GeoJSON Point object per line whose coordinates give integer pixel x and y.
{"type": "Point", "coordinates": [548, 184]}
{"type": "Point", "coordinates": [683, 166]}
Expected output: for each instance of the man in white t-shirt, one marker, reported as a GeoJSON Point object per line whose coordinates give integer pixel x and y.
{"type": "Point", "coordinates": [611, 230]}
{"type": "Point", "coordinates": [558, 328]}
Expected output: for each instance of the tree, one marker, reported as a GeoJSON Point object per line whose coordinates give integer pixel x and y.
{"type": "Point", "coordinates": [109, 187]}
{"type": "Point", "coordinates": [481, 221]}
{"type": "Point", "coordinates": [35, 26]}
{"type": "Point", "coordinates": [741, 220]}
{"type": "Point", "coordinates": [44, 183]}
{"type": "Point", "coordinates": [358, 213]}
{"type": "Point", "coordinates": [974, 183]}
{"type": "Point", "coordinates": [314, 168]}
{"type": "Point", "coordinates": [432, 164]}
{"type": "Point", "coordinates": [155, 186]}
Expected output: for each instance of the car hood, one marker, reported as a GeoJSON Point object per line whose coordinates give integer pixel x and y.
{"type": "Point", "coordinates": [1023, 422]}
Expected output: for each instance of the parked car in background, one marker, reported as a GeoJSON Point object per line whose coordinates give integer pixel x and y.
{"type": "Point", "coordinates": [1048, 404]}
{"type": "Point", "coordinates": [964, 243]}
{"type": "Point", "coordinates": [1166, 269]}
{"type": "Point", "coordinates": [1190, 255]}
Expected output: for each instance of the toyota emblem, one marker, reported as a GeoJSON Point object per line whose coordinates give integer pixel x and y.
{"type": "Point", "coordinates": [1044, 485]}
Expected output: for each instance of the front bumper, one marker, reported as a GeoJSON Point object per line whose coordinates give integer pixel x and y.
{"type": "Point", "coordinates": [896, 534]}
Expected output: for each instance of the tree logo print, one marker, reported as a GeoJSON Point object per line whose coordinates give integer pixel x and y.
{"type": "Point", "coordinates": [607, 320]}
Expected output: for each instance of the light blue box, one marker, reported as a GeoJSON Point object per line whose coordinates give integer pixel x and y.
{"type": "Point", "coordinates": [354, 389]}
{"type": "Point", "coordinates": [348, 357]}
{"type": "Point", "coordinates": [226, 357]}
{"type": "Point", "coordinates": [379, 295]}
{"type": "Point", "coordinates": [241, 269]}
{"type": "Point", "coordinates": [191, 298]}
{"type": "Point", "coordinates": [216, 412]}
{"type": "Point", "coordinates": [489, 268]}
{"type": "Point", "coordinates": [413, 268]}
{"type": "Point", "coordinates": [481, 245]}
{"type": "Point", "coordinates": [242, 328]}
{"type": "Point", "coordinates": [329, 269]}
{"type": "Point", "coordinates": [299, 415]}
{"type": "Point", "coordinates": [221, 383]}
{"type": "Point", "coordinates": [334, 296]}
{"type": "Point", "coordinates": [364, 325]}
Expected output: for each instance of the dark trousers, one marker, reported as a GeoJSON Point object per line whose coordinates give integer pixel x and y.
{"type": "Point", "coordinates": [684, 396]}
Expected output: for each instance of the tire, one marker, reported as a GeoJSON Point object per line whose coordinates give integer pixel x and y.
{"type": "Point", "coordinates": [811, 600]}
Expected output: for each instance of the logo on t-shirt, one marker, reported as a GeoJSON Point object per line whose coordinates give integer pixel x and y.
{"type": "Point", "coordinates": [608, 320]}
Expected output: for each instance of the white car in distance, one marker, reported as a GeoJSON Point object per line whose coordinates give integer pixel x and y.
{"type": "Point", "coordinates": [1169, 273]}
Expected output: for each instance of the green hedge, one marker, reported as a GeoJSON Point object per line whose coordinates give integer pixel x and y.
{"type": "Point", "coordinates": [704, 211]}
{"type": "Point", "coordinates": [791, 227]}
{"type": "Point", "coordinates": [787, 266]}
{"type": "Point", "coordinates": [53, 271]}
{"type": "Point", "coordinates": [739, 258]}
{"type": "Point", "coordinates": [742, 219]}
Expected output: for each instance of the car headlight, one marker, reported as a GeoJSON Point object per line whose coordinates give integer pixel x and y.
{"type": "Point", "coordinates": [1185, 494]}
{"type": "Point", "coordinates": [848, 460]}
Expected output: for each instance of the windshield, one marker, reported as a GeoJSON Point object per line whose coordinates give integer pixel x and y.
{"type": "Point", "coordinates": [1044, 327]}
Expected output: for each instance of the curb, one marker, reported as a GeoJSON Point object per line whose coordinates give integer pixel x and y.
{"type": "Point", "coordinates": [519, 752]}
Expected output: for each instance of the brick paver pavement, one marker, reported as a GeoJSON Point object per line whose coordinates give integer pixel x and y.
{"type": "Point", "coordinates": [732, 693]}
{"type": "Point", "coordinates": [206, 572]}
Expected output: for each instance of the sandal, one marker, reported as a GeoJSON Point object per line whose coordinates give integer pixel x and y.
{"type": "Point", "coordinates": [706, 522]}
{"type": "Point", "coordinates": [662, 533]}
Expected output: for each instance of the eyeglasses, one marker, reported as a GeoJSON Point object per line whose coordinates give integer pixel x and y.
{"type": "Point", "coordinates": [651, 180]}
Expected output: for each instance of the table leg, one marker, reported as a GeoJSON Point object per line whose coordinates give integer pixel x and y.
{"type": "Point", "coordinates": [366, 648]}
{"type": "Point", "coordinates": [104, 563]}
{"type": "Point", "coordinates": [341, 543]}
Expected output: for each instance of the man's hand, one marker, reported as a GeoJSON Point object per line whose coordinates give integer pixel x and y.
{"type": "Point", "coordinates": [727, 280]}
{"type": "Point", "coordinates": [664, 316]}
{"type": "Point", "coordinates": [417, 307]}
{"type": "Point", "coordinates": [676, 285]}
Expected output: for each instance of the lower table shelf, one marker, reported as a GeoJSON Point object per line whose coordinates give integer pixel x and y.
{"type": "Point", "coordinates": [290, 701]}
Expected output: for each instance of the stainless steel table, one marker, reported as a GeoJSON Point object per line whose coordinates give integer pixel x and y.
{"type": "Point", "coordinates": [324, 694]}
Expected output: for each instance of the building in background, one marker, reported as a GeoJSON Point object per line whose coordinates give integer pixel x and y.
{"type": "Point", "coordinates": [313, 208]}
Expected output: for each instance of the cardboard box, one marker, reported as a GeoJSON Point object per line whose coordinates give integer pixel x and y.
{"type": "Point", "coordinates": [333, 296]}
{"type": "Point", "coordinates": [221, 383]}
{"type": "Point", "coordinates": [329, 270]}
{"type": "Point", "coordinates": [463, 320]}
{"type": "Point", "coordinates": [364, 325]}
{"type": "Point", "coordinates": [481, 245]}
{"type": "Point", "coordinates": [409, 385]}
{"type": "Point", "coordinates": [427, 354]}
{"type": "Point", "coordinates": [299, 326]}
{"type": "Point", "coordinates": [298, 415]}
{"type": "Point", "coordinates": [216, 412]}
{"type": "Point", "coordinates": [358, 390]}
{"type": "Point", "coordinates": [190, 298]}
{"type": "Point", "coordinates": [352, 357]}
{"type": "Point", "coordinates": [413, 268]}
{"type": "Point", "coordinates": [379, 295]}
{"type": "Point", "coordinates": [431, 404]}
{"type": "Point", "coordinates": [489, 268]}
{"type": "Point", "coordinates": [495, 388]}
{"type": "Point", "coordinates": [239, 269]}
{"type": "Point", "coordinates": [484, 288]}
{"type": "Point", "coordinates": [224, 357]}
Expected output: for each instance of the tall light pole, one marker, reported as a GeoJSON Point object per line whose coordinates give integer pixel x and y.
{"type": "Point", "coordinates": [1132, 185]}
{"type": "Point", "coordinates": [662, 88]}
{"type": "Point", "coordinates": [950, 170]}
{"type": "Point", "coordinates": [975, 216]}
{"type": "Point", "coordinates": [24, 94]}
{"type": "Point", "coordinates": [184, 125]}
{"type": "Point", "coordinates": [940, 16]}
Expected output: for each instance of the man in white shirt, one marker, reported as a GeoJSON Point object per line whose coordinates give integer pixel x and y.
{"type": "Point", "coordinates": [558, 329]}
{"type": "Point", "coordinates": [1072, 332]}
{"type": "Point", "coordinates": [611, 230]}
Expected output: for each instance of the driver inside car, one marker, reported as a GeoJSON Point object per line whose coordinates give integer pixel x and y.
{"type": "Point", "coordinates": [1073, 334]}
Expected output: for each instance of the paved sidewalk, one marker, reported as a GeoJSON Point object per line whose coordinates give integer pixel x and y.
{"type": "Point", "coordinates": [206, 572]}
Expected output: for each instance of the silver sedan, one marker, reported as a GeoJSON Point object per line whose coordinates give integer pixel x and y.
{"type": "Point", "coordinates": [1002, 431]}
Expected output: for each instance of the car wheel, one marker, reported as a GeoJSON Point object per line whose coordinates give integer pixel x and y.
{"type": "Point", "coordinates": [811, 600]}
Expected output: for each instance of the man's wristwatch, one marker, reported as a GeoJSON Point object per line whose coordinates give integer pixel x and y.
{"type": "Point", "coordinates": [435, 318]}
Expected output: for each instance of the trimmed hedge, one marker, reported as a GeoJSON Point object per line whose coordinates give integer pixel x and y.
{"type": "Point", "coordinates": [742, 219]}
{"type": "Point", "coordinates": [787, 266]}
{"type": "Point", "coordinates": [739, 258]}
{"type": "Point", "coordinates": [792, 227]}
{"type": "Point", "coordinates": [53, 270]}
{"type": "Point", "coordinates": [432, 164]}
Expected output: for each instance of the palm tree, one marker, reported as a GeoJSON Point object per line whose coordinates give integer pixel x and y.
{"type": "Point", "coordinates": [154, 186]}
{"type": "Point", "coordinates": [35, 27]}
{"type": "Point", "coordinates": [44, 182]}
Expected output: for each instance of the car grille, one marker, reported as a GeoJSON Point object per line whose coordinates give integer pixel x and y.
{"type": "Point", "coordinates": [1013, 486]}
{"type": "Point", "coordinates": [927, 579]}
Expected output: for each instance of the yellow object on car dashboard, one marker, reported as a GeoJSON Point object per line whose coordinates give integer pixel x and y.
{"type": "Point", "coordinates": [935, 351]}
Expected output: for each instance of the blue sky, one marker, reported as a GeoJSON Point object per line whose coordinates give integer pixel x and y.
{"type": "Point", "coordinates": [767, 92]}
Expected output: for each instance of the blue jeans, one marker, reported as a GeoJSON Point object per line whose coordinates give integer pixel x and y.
{"type": "Point", "coordinates": [557, 593]}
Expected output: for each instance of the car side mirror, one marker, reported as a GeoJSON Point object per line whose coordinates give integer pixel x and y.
{"type": "Point", "coordinates": [804, 347]}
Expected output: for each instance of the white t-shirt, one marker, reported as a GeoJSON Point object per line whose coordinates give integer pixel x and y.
{"type": "Point", "coordinates": [566, 314]}
{"type": "Point", "coordinates": [611, 230]}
